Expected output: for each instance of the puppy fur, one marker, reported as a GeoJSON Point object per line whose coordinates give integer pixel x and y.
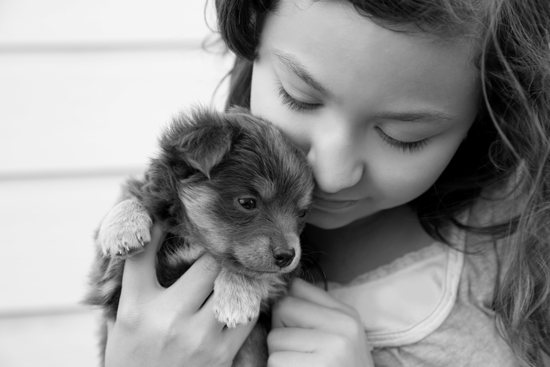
{"type": "Point", "coordinates": [226, 183]}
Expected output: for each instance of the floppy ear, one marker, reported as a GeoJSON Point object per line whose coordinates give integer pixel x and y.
{"type": "Point", "coordinates": [205, 147]}
{"type": "Point", "coordinates": [200, 142]}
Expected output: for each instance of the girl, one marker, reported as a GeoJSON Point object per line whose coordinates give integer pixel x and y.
{"type": "Point", "coordinates": [427, 125]}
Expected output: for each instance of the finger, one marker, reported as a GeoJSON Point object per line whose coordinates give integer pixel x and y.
{"type": "Point", "coordinates": [296, 340]}
{"type": "Point", "coordinates": [292, 359]}
{"type": "Point", "coordinates": [206, 316]}
{"type": "Point", "coordinates": [298, 313]}
{"type": "Point", "coordinates": [289, 311]}
{"type": "Point", "coordinates": [235, 337]}
{"type": "Point", "coordinates": [308, 292]}
{"type": "Point", "coordinates": [139, 276]}
{"type": "Point", "coordinates": [197, 283]}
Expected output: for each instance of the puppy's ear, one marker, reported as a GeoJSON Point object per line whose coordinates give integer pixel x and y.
{"type": "Point", "coordinates": [200, 141]}
{"type": "Point", "coordinates": [205, 147]}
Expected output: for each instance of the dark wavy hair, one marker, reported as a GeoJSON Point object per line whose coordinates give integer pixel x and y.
{"type": "Point", "coordinates": [506, 150]}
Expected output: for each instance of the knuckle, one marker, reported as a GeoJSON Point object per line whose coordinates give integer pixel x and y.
{"type": "Point", "coordinates": [128, 318]}
{"type": "Point", "coordinates": [169, 330]}
{"type": "Point", "coordinates": [273, 336]}
{"type": "Point", "coordinates": [275, 360]}
{"type": "Point", "coordinates": [340, 349]}
{"type": "Point", "coordinates": [271, 339]}
{"type": "Point", "coordinates": [281, 309]}
{"type": "Point", "coordinates": [340, 344]}
{"type": "Point", "coordinates": [282, 304]}
{"type": "Point", "coordinates": [275, 340]}
{"type": "Point", "coordinates": [352, 326]}
{"type": "Point", "coordinates": [351, 311]}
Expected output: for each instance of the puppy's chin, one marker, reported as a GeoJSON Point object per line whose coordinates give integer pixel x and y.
{"type": "Point", "coordinates": [258, 270]}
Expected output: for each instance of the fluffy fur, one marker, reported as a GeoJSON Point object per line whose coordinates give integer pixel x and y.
{"type": "Point", "coordinates": [229, 184]}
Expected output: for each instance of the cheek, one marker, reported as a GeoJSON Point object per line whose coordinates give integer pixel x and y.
{"type": "Point", "coordinates": [401, 181]}
{"type": "Point", "coordinates": [265, 103]}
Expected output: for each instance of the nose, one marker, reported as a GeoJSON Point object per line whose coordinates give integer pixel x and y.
{"type": "Point", "coordinates": [336, 158]}
{"type": "Point", "coordinates": [283, 256]}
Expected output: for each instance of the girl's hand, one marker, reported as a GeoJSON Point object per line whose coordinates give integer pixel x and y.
{"type": "Point", "coordinates": [311, 328]}
{"type": "Point", "coordinates": [173, 326]}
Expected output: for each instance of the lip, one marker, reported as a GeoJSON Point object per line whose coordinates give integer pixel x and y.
{"type": "Point", "coordinates": [322, 203]}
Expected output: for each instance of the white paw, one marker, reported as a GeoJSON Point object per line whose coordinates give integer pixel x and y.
{"type": "Point", "coordinates": [125, 230]}
{"type": "Point", "coordinates": [232, 308]}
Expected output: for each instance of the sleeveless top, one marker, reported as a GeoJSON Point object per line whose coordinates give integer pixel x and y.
{"type": "Point", "coordinates": [432, 307]}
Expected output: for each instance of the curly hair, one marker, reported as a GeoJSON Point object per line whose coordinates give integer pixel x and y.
{"type": "Point", "coordinates": [506, 150]}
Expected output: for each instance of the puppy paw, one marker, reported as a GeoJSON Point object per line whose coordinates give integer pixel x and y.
{"type": "Point", "coordinates": [233, 314]}
{"type": "Point", "coordinates": [125, 230]}
{"type": "Point", "coordinates": [233, 306]}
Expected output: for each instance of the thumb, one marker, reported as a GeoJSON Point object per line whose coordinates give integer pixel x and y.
{"type": "Point", "coordinates": [139, 275]}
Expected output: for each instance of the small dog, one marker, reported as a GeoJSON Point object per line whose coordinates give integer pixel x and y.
{"type": "Point", "coordinates": [230, 184]}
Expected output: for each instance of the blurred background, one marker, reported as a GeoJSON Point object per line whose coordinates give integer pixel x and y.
{"type": "Point", "coordinates": [85, 88]}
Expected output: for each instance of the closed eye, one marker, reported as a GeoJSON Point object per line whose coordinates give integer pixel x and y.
{"type": "Point", "coordinates": [293, 103]}
{"type": "Point", "coordinates": [406, 146]}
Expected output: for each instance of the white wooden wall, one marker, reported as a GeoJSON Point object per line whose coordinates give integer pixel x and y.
{"type": "Point", "coordinates": [85, 87]}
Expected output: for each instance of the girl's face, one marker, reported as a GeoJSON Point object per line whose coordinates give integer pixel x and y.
{"type": "Point", "coordinates": [379, 113]}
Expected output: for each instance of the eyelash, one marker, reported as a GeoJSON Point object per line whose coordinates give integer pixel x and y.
{"type": "Point", "coordinates": [296, 105]}
{"type": "Point", "coordinates": [411, 146]}
{"type": "Point", "coordinates": [293, 103]}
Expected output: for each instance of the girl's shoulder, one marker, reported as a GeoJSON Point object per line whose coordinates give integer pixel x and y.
{"type": "Point", "coordinates": [433, 306]}
{"type": "Point", "coordinates": [462, 321]}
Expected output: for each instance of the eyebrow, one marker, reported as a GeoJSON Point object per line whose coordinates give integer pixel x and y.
{"type": "Point", "coordinates": [295, 66]}
{"type": "Point", "coordinates": [428, 115]}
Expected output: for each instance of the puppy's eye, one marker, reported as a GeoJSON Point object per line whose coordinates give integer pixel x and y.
{"type": "Point", "coordinates": [247, 203]}
{"type": "Point", "coordinates": [302, 213]}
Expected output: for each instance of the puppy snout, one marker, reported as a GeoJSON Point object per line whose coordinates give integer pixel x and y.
{"type": "Point", "coordinates": [283, 256]}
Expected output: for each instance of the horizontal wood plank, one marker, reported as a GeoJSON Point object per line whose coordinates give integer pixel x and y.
{"type": "Point", "coordinates": [101, 21]}
{"type": "Point", "coordinates": [47, 247]}
{"type": "Point", "coordinates": [97, 111]}
{"type": "Point", "coordinates": [64, 340]}
{"type": "Point", "coordinates": [86, 87]}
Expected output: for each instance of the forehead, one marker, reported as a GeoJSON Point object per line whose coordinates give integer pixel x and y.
{"type": "Point", "coordinates": [360, 61]}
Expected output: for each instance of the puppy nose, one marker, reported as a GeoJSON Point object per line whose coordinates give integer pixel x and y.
{"type": "Point", "coordinates": [283, 257]}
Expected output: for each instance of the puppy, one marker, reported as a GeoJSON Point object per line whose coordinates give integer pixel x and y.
{"type": "Point", "coordinates": [229, 184]}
